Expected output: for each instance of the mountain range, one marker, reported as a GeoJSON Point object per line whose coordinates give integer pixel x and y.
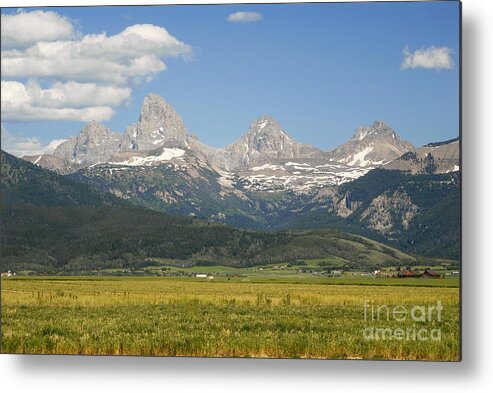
{"type": "Point", "coordinates": [376, 184]}
{"type": "Point", "coordinates": [264, 159]}
{"type": "Point", "coordinates": [265, 142]}
{"type": "Point", "coordinates": [53, 224]}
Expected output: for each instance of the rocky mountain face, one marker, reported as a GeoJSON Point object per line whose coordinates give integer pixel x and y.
{"type": "Point", "coordinates": [390, 211]}
{"type": "Point", "coordinates": [302, 168]}
{"type": "Point", "coordinates": [438, 157]}
{"type": "Point", "coordinates": [53, 163]}
{"type": "Point", "coordinates": [264, 141]}
{"type": "Point", "coordinates": [371, 146]}
{"type": "Point", "coordinates": [264, 159]}
{"type": "Point", "coordinates": [174, 181]}
{"type": "Point", "coordinates": [418, 213]}
{"type": "Point", "coordinates": [95, 143]}
{"type": "Point", "coordinates": [158, 125]}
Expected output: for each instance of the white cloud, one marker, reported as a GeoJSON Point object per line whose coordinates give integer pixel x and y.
{"type": "Point", "coordinates": [28, 112]}
{"type": "Point", "coordinates": [245, 17]}
{"type": "Point", "coordinates": [26, 146]}
{"type": "Point", "coordinates": [62, 101]}
{"type": "Point", "coordinates": [26, 28]}
{"type": "Point", "coordinates": [86, 77]}
{"type": "Point", "coordinates": [431, 58]}
{"type": "Point", "coordinates": [50, 147]}
{"type": "Point", "coordinates": [77, 95]}
{"type": "Point", "coordinates": [134, 53]}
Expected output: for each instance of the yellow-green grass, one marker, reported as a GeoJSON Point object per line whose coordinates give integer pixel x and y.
{"type": "Point", "coordinates": [191, 317]}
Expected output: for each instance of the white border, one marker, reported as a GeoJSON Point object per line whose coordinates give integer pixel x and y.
{"type": "Point", "coordinates": [33, 3]}
{"type": "Point", "coordinates": [111, 374]}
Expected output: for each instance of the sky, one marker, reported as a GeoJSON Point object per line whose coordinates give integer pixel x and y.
{"type": "Point", "coordinates": [321, 70]}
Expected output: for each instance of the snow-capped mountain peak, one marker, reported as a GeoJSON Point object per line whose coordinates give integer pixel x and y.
{"type": "Point", "coordinates": [264, 141]}
{"type": "Point", "coordinates": [265, 157]}
{"type": "Point", "coordinates": [371, 145]}
{"type": "Point", "coordinates": [378, 130]}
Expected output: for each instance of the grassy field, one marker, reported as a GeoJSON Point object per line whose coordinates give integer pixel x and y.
{"type": "Point", "coordinates": [281, 317]}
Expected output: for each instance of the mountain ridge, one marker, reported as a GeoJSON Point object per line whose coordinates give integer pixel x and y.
{"type": "Point", "coordinates": [264, 158]}
{"type": "Point", "coordinates": [159, 124]}
{"type": "Point", "coordinates": [435, 157]}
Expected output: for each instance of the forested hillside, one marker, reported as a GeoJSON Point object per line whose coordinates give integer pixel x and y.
{"type": "Point", "coordinates": [60, 225]}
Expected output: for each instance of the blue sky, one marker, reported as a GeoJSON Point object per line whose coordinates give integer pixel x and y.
{"type": "Point", "coordinates": [321, 69]}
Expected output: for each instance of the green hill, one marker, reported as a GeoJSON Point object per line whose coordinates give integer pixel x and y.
{"type": "Point", "coordinates": [26, 183]}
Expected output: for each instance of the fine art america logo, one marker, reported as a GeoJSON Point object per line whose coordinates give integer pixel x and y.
{"type": "Point", "coordinates": [408, 322]}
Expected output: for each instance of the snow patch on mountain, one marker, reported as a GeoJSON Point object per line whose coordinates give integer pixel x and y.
{"type": "Point", "coordinates": [359, 158]}
{"type": "Point", "coordinates": [266, 166]}
{"type": "Point", "coordinates": [166, 155]}
{"type": "Point", "coordinates": [298, 177]}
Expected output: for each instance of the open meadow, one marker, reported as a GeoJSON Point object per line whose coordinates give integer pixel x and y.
{"type": "Point", "coordinates": [258, 317]}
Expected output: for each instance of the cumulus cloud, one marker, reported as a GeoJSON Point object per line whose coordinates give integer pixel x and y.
{"type": "Point", "coordinates": [27, 112]}
{"type": "Point", "coordinates": [26, 146]}
{"type": "Point", "coordinates": [134, 53]}
{"type": "Point", "coordinates": [87, 77]}
{"type": "Point", "coordinates": [51, 146]}
{"type": "Point", "coordinates": [26, 28]}
{"type": "Point", "coordinates": [431, 58]}
{"type": "Point", "coordinates": [62, 101]}
{"type": "Point", "coordinates": [244, 17]}
{"type": "Point", "coordinates": [72, 94]}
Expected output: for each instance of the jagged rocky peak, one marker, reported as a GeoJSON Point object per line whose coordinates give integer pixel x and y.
{"type": "Point", "coordinates": [264, 141]}
{"type": "Point", "coordinates": [95, 143]}
{"type": "Point", "coordinates": [373, 145]}
{"type": "Point", "coordinates": [436, 157]}
{"type": "Point", "coordinates": [265, 133]}
{"type": "Point", "coordinates": [158, 125]}
{"type": "Point", "coordinates": [265, 124]}
{"type": "Point", "coordinates": [94, 132]}
{"type": "Point", "coordinates": [377, 131]}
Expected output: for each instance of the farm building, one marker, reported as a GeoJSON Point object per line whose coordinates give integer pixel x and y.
{"type": "Point", "coordinates": [406, 273]}
{"type": "Point", "coordinates": [430, 274]}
